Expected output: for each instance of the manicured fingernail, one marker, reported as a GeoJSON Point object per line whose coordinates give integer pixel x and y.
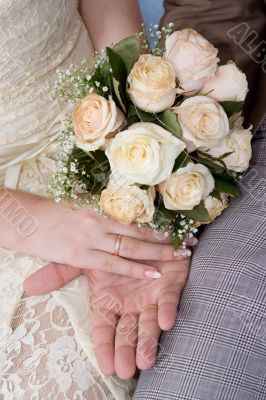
{"type": "Point", "coordinates": [193, 241]}
{"type": "Point", "coordinates": [182, 253]}
{"type": "Point", "coordinates": [152, 274]}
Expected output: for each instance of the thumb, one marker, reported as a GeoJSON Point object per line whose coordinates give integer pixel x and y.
{"type": "Point", "coordinates": [51, 277]}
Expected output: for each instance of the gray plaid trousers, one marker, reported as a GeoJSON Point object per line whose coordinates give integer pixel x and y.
{"type": "Point", "coordinates": [217, 348]}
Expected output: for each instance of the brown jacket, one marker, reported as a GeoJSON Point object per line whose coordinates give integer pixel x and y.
{"type": "Point", "coordinates": [238, 29]}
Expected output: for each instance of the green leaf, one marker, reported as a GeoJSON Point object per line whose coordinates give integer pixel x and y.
{"type": "Point", "coordinates": [144, 187]}
{"type": "Point", "coordinates": [216, 195]}
{"type": "Point", "coordinates": [93, 169]}
{"type": "Point", "coordinates": [119, 70]}
{"type": "Point", "coordinates": [129, 51]}
{"type": "Point", "coordinates": [225, 155]}
{"type": "Point", "coordinates": [199, 213]}
{"type": "Point", "coordinates": [136, 115]}
{"type": "Point", "coordinates": [176, 241]}
{"type": "Point", "coordinates": [232, 107]}
{"type": "Point", "coordinates": [119, 74]}
{"type": "Point", "coordinates": [169, 121]}
{"type": "Point", "coordinates": [214, 165]}
{"type": "Point", "coordinates": [118, 93]}
{"type": "Point", "coordinates": [181, 161]}
{"type": "Point", "coordinates": [226, 187]}
{"type": "Point", "coordinates": [233, 118]}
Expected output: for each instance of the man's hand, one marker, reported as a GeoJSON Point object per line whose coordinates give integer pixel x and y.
{"type": "Point", "coordinates": [126, 330]}
{"type": "Point", "coordinates": [126, 333]}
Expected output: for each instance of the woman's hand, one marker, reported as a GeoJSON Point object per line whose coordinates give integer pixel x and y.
{"type": "Point", "coordinates": [85, 239]}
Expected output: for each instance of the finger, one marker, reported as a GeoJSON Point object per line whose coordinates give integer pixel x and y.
{"type": "Point", "coordinates": [104, 328]}
{"type": "Point", "coordinates": [140, 250]}
{"type": "Point", "coordinates": [125, 346]}
{"type": "Point", "coordinates": [144, 233]}
{"type": "Point", "coordinates": [148, 337]}
{"type": "Point", "coordinates": [109, 263]}
{"type": "Point", "coordinates": [51, 277]}
{"type": "Point", "coordinates": [168, 303]}
{"type": "Point", "coordinates": [136, 232]}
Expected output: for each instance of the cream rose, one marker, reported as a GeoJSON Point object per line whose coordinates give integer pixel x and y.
{"type": "Point", "coordinates": [128, 204]}
{"type": "Point", "coordinates": [94, 118]}
{"type": "Point", "coordinates": [152, 84]}
{"type": "Point", "coordinates": [144, 154]}
{"type": "Point", "coordinates": [193, 57]}
{"type": "Point", "coordinates": [239, 143]}
{"type": "Point", "coordinates": [215, 207]}
{"type": "Point", "coordinates": [228, 84]}
{"type": "Point", "coordinates": [203, 122]}
{"type": "Point", "coordinates": [187, 187]}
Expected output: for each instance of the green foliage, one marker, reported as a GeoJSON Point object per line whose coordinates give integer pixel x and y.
{"type": "Point", "coordinates": [199, 213]}
{"type": "Point", "coordinates": [134, 115]}
{"type": "Point", "coordinates": [232, 107]}
{"type": "Point", "coordinates": [169, 121]}
{"type": "Point", "coordinates": [234, 117]}
{"type": "Point", "coordinates": [223, 186]}
{"type": "Point", "coordinates": [128, 50]}
{"type": "Point", "coordinates": [181, 161]}
{"type": "Point", "coordinates": [215, 165]}
{"type": "Point", "coordinates": [118, 93]}
{"type": "Point", "coordinates": [93, 169]}
{"type": "Point", "coordinates": [119, 74]}
{"type": "Point", "coordinates": [216, 194]}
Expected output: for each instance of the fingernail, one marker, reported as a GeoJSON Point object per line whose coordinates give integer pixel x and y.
{"type": "Point", "coordinates": [152, 274]}
{"type": "Point", "coordinates": [182, 253]}
{"type": "Point", "coordinates": [193, 241]}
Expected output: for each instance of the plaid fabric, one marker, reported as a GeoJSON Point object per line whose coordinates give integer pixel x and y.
{"type": "Point", "coordinates": [217, 348]}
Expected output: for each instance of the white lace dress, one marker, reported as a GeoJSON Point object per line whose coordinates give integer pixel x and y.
{"type": "Point", "coordinates": [45, 342]}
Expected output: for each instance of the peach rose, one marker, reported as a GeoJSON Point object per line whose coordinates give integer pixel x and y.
{"type": "Point", "coordinates": [128, 204]}
{"type": "Point", "coordinates": [187, 187]}
{"type": "Point", "coordinates": [239, 143]}
{"type": "Point", "coordinates": [193, 58]}
{"type": "Point", "coordinates": [228, 84]}
{"type": "Point", "coordinates": [94, 118]}
{"type": "Point", "coordinates": [152, 84]}
{"type": "Point", "coordinates": [203, 122]}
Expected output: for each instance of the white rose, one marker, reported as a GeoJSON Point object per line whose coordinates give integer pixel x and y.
{"type": "Point", "coordinates": [203, 122]}
{"type": "Point", "coordinates": [187, 187]}
{"type": "Point", "coordinates": [193, 57]}
{"type": "Point", "coordinates": [128, 204]}
{"type": "Point", "coordinates": [144, 154]}
{"type": "Point", "coordinates": [239, 143]}
{"type": "Point", "coordinates": [152, 85]}
{"type": "Point", "coordinates": [228, 84]}
{"type": "Point", "coordinates": [215, 207]}
{"type": "Point", "coordinates": [94, 118]}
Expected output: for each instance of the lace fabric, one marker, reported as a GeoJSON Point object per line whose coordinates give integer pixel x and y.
{"type": "Point", "coordinates": [46, 349]}
{"type": "Point", "coordinates": [44, 359]}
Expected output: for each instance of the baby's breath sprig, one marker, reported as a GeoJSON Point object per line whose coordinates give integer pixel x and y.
{"type": "Point", "coordinates": [77, 82]}
{"type": "Point", "coordinates": [153, 38]}
{"type": "Point", "coordinates": [162, 35]}
{"type": "Point", "coordinates": [73, 83]}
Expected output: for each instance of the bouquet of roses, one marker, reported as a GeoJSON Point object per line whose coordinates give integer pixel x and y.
{"type": "Point", "coordinates": [156, 136]}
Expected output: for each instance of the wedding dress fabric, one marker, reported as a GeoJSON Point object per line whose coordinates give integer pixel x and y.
{"type": "Point", "coordinates": [45, 341]}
